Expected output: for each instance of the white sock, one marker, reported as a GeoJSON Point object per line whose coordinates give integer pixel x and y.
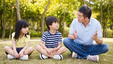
{"type": "Point", "coordinates": [25, 57]}
{"type": "Point", "coordinates": [10, 56]}
{"type": "Point", "coordinates": [43, 56]}
{"type": "Point", "coordinates": [60, 57]}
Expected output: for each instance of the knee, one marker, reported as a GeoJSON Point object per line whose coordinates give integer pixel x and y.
{"type": "Point", "coordinates": [105, 47]}
{"type": "Point", "coordinates": [31, 48]}
{"type": "Point", "coordinates": [66, 41]}
{"type": "Point", "coordinates": [38, 47]}
{"type": "Point", "coordinates": [6, 47]}
{"type": "Point", "coordinates": [63, 49]}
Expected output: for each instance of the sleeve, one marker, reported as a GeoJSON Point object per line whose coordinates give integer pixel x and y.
{"type": "Point", "coordinates": [44, 37]}
{"type": "Point", "coordinates": [60, 38]}
{"type": "Point", "coordinates": [13, 34]}
{"type": "Point", "coordinates": [72, 28]}
{"type": "Point", "coordinates": [28, 38]}
{"type": "Point", "coordinates": [99, 31]}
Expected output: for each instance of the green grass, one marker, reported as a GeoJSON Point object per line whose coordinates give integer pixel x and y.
{"type": "Point", "coordinates": [106, 58]}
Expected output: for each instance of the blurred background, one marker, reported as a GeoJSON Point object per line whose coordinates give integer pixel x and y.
{"type": "Point", "coordinates": [36, 11]}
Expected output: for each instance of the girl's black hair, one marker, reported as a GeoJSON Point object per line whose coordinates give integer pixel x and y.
{"type": "Point", "coordinates": [19, 25]}
{"type": "Point", "coordinates": [50, 20]}
{"type": "Point", "coordinates": [86, 11]}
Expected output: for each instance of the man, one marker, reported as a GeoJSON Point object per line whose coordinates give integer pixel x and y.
{"type": "Point", "coordinates": [84, 30]}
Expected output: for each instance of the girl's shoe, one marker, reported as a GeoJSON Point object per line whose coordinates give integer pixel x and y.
{"type": "Point", "coordinates": [10, 56]}
{"type": "Point", "coordinates": [25, 57]}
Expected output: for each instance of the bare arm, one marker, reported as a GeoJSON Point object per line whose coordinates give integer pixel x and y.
{"type": "Point", "coordinates": [58, 47]}
{"type": "Point", "coordinates": [42, 45]}
{"type": "Point", "coordinates": [14, 45]}
{"type": "Point", "coordinates": [21, 53]}
{"type": "Point", "coordinates": [98, 40]}
{"type": "Point", "coordinates": [16, 55]}
{"type": "Point", "coordinates": [71, 36]}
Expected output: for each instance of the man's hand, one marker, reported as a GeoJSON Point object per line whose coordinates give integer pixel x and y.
{"type": "Point", "coordinates": [75, 34]}
{"type": "Point", "coordinates": [95, 36]}
{"type": "Point", "coordinates": [98, 40]}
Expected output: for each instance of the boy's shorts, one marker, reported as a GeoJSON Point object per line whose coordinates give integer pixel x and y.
{"type": "Point", "coordinates": [18, 50]}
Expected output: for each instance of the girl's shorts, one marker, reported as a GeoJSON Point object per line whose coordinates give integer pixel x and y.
{"type": "Point", "coordinates": [18, 50]}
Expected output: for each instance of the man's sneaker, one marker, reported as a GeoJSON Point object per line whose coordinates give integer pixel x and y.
{"type": "Point", "coordinates": [43, 56]}
{"type": "Point", "coordinates": [25, 57]}
{"type": "Point", "coordinates": [93, 58]}
{"type": "Point", "coordinates": [60, 57]}
{"type": "Point", "coordinates": [10, 56]}
{"type": "Point", "coordinates": [74, 55]}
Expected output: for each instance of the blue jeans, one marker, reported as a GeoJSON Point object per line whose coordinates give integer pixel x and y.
{"type": "Point", "coordinates": [84, 50]}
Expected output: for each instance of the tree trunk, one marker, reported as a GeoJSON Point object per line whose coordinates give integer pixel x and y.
{"type": "Point", "coordinates": [101, 12]}
{"type": "Point", "coordinates": [3, 32]}
{"type": "Point", "coordinates": [83, 2]}
{"type": "Point", "coordinates": [107, 19]}
{"type": "Point", "coordinates": [1, 25]}
{"type": "Point", "coordinates": [63, 22]}
{"type": "Point", "coordinates": [18, 10]}
{"type": "Point", "coordinates": [89, 3]}
{"type": "Point", "coordinates": [103, 29]}
{"type": "Point", "coordinates": [11, 22]}
{"type": "Point", "coordinates": [42, 31]}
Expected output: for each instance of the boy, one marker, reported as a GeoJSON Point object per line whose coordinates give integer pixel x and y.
{"type": "Point", "coordinates": [52, 39]}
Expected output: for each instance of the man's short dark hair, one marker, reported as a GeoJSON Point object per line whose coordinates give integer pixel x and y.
{"type": "Point", "coordinates": [86, 11]}
{"type": "Point", "coordinates": [50, 20]}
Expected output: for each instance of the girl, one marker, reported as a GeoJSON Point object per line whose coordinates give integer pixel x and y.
{"type": "Point", "coordinates": [20, 41]}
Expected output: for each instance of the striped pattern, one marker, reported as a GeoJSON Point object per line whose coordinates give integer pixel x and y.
{"type": "Point", "coordinates": [51, 40]}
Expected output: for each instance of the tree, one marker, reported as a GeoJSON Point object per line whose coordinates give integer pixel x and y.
{"type": "Point", "coordinates": [11, 21]}
{"type": "Point", "coordinates": [18, 10]}
{"type": "Point", "coordinates": [101, 12]}
{"type": "Point", "coordinates": [42, 31]}
{"type": "Point", "coordinates": [3, 33]}
{"type": "Point", "coordinates": [83, 2]}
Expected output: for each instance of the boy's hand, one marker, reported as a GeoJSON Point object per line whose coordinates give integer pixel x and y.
{"type": "Point", "coordinates": [48, 51]}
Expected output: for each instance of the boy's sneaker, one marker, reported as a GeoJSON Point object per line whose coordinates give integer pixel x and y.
{"type": "Point", "coordinates": [74, 55]}
{"type": "Point", "coordinates": [60, 57]}
{"type": "Point", "coordinates": [93, 58]}
{"type": "Point", "coordinates": [25, 57]}
{"type": "Point", "coordinates": [43, 56]}
{"type": "Point", "coordinates": [10, 56]}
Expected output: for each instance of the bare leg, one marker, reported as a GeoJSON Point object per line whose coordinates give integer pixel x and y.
{"type": "Point", "coordinates": [43, 51]}
{"type": "Point", "coordinates": [60, 51]}
{"type": "Point", "coordinates": [28, 51]}
{"type": "Point", "coordinates": [9, 50]}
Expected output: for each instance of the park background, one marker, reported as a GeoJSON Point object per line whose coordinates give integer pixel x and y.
{"type": "Point", "coordinates": [36, 11]}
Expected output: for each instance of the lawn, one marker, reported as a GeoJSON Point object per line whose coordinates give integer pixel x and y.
{"type": "Point", "coordinates": [106, 58]}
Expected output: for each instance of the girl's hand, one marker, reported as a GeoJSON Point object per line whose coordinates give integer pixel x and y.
{"type": "Point", "coordinates": [21, 53]}
{"type": "Point", "coordinates": [16, 55]}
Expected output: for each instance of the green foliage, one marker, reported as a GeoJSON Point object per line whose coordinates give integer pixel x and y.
{"type": "Point", "coordinates": [109, 33]}
{"type": "Point", "coordinates": [66, 31]}
{"type": "Point", "coordinates": [7, 31]}
{"type": "Point", "coordinates": [34, 33]}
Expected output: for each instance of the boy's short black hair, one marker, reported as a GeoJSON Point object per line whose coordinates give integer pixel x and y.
{"type": "Point", "coordinates": [50, 20]}
{"type": "Point", "coordinates": [86, 11]}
